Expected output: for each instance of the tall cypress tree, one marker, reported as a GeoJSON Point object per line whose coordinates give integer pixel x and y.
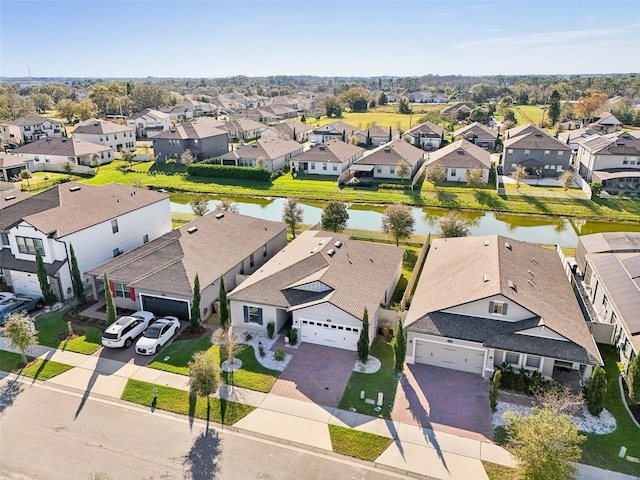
{"type": "Point", "coordinates": [76, 279]}
{"type": "Point", "coordinates": [399, 346]}
{"type": "Point", "coordinates": [47, 294]}
{"type": "Point", "coordinates": [108, 298]}
{"type": "Point", "coordinates": [363, 341]}
{"type": "Point", "coordinates": [195, 305]}
{"type": "Point", "coordinates": [390, 135]}
{"type": "Point", "coordinates": [224, 306]}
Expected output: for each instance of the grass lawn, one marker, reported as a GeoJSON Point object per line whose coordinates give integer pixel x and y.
{"type": "Point", "coordinates": [38, 369]}
{"type": "Point", "coordinates": [500, 472]}
{"type": "Point", "coordinates": [51, 326]}
{"type": "Point", "coordinates": [355, 443]}
{"type": "Point", "coordinates": [179, 401]}
{"type": "Point", "coordinates": [528, 114]}
{"type": "Point", "coordinates": [384, 380]}
{"type": "Point", "coordinates": [602, 450]}
{"type": "Point", "coordinates": [252, 375]}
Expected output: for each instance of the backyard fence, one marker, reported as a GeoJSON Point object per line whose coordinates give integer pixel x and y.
{"type": "Point", "coordinates": [408, 293]}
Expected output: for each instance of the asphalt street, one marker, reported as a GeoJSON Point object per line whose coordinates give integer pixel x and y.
{"type": "Point", "coordinates": [40, 438]}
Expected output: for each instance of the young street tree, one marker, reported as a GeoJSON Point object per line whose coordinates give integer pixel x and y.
{"type": "Point", "coordinates": [227, 205]}
{"type": "Point", "coordinates": [399, 346]}
{"type": "Point", "coordinates": [199, 204]}
{"type": "Point", "coordinates": [453, 225]}
{"type": "Point", "coordinates": [292, 215]}
{"type": "Point", "coordinates": [403, 170]}
{"type": "Point", "coordinates": [186, 157]}
{"type": "Point", "coordinates": [195, 305]}
{"type": "Point", "coordinates": [566, 179]}
{"type": "Point", "coordinates": [231, 346]}
{"type": "Point", "coordinates": [334, 216]}
{"type": "Point", "coordinates": [108, 298]}
{"type": "Point", "coordinates": [398, 222]}
{"type": "Point", "coordinates": [519, 173]}
{"type": "Point", "coordinates": [204, 376]}
{"type": "Point", "coordinates": [224, 305]}
{"type": "Point", "coordinates": [26, 175]}
{"type": "Point", "coordinates": [436, 174]}
{"type": "Point", "coordinates": [475, 178]}
{"type": "Point", "coordinates": [18, 330]}
{"type": "Point", "coordinates": [545, 443]}
{"type": "Point", "coordinates": [363, 340]}
{"type": "Point", "coordinates": [47, 294]}
{"type": "Point", "coordinates": [68, 167]}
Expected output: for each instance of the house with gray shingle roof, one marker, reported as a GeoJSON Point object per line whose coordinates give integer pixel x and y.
{"type": "Point", "coordinates": [332, 131]}
{"type": "Point", "coordinates": [51, 153]}
{"type": "Point", "coordinates": [243, 129]}
{"type": "Point", "coordinates": [536, 150]}
{"type": "Point", "coordinates": [108, 134]}
{"type": "Point", "coordinates": [100, 222]}
{"type": "Point", "coordinates": [479, 135]}
{"type": "Point", "coordinates": [203, 137]}
{"type": "Point", "coordinates": [460, 157]}
{"type": "Point", "coordinates": [320, 285]}
{"type": "Point", "coordinates": [149, 122]}
{"type": "Point", "coordinates": [159, 275]}
{"type": "Point", "coordinates": [330, 158]}
{"type": "Point", "coordinates": [292, 130]}
{"type": "Point", "coordinates": [500, 301]}
{"type": "Point", "coordinates": [274, 152]}
{"type": "Point", "coordinates": [32, 127]}
{"type": "Point", "coordinates": [427, 136]}
{"type": "Point", "coordinates": [376, 136]}
{"type": "Point", "coordinates": [383, 162]}
{"type": "Point", "coordinates": [11, 165]}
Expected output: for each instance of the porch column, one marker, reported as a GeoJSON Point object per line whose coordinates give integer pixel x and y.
{"type": "Point", "coordinates": [94, 289]}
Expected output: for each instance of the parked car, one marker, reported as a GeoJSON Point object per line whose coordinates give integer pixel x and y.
{"type": "Point", "coordinates": [20, 303]}
{"type": "Point", "coordinates": [157, 335]}
{"type": "Point", "coordinates": [5, 297]}
{"type": "Point", "coordinates": [123, 331]}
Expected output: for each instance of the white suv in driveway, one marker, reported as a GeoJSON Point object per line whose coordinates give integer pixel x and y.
{"type": "Point", "coordinates": [123, 331]}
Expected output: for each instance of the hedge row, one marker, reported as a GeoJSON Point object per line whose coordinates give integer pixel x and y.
{"type": "Point", "coordinates": [229, 171]}
{"type": "Point", "coordinates": [394, 186]}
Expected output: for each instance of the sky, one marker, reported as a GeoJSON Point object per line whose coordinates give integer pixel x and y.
{"type": "Point", "coordinates": [176, 38]}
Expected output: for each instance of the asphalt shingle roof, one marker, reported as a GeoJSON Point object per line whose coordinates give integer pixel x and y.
{"type": "Point", "coordinates": [95, 126]}
{"type": "Point", "coordinates": [333, 151]}
{"type": "Point", "coordinates": [64, 147]}
{"type": "Point", "coordinates": [461, 154]}
{"type": "Point", "coordinates": [393, 153]}
{"type": "Point", "coordinates": [476, 130]}
{"type": "Point", "coordinates": [268, 148]}
{"type": "Point", "coordinates": [31, 120]}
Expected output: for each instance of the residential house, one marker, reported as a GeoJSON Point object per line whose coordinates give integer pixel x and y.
{"type": "Point", "coordinates": [427, 136]}
{"type": "Point", "coordinates": [457, 109]}
{"type": "Point", "coordinates": [383, 162]}
{"type": "Point", "coordinates": [10, 133]}
{"type": "Point", "coordinates": [99, 222]}
{"type": "Point", "coordinates": [538, 152]}
{"type": "Point", "coordinates": [261, 115]}
{"type": "Point", "coordinates": [11, 165]}
{"type": "Point", "coordinates": [51, 153]}
{"type": "Point", "coordinates": [149, 123]}
{"type": "Point", "coordinates": [574, 137]}
{"type": "Point", "coordinates": [272, 152]}
{"type": "Point", "coordinates": [460, 157]}
{"type": "Point", "coordinates": [243, 129]}
{"type": "Point", "coordinates": [609, 269]}
{"type": "Point", "coordinates": [320, 285]}
{"type": "Point", "coordinates": [376, 136]}
{"type": "Point", "coordinates": [612, 160]}
{"type": "Point", "coordinates": [606, 122]}
{"type": "Point", "coordinates": [178, 112]}
{"type": "Point", "coordinates": [159, 276]}
{"type": "Point", "coordinates": [330, 158]}
{"type": "Point", "coordinates": [34, 127]}
{"type": "Point", "coordinates": [203, 137]}
{"type": "Point", "coordinates": [501, 301]}
{"type": "Point", "coordinates": [427, 97]}
{"type": "Point", "coordinates": [108, 134]}
{"type": "Point", "coordinates": [293, 130]}
{"type": "Point", "coordinates": [478, 134]}
{"type": "Point", "coordinates": [334, 130]}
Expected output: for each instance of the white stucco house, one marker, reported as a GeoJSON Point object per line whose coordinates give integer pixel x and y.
{"type": "Point", "coordinates": [383, 162]}
{"type": "Point", "coordinates": [108, 134]}
{"type": "Point", "coordinates": [320, 285]}
{"type": "Point", "coordinates": [100, 222]}
{"type": "Point", "coordinates": [274, 152]}
{"type": "Point", "coordinates": [427, 136]}
{"type": "Point", "coordinates": [332, 131]}
{"type": "Point", "coordinates": [501, 301]}
{"type": "Point", "coordinates": [33, 127]}
{"type": "Point", "coordinates": [459, 157]}
{"type": "Point", "coordinates": [149, 123]}
{"type": "Point", "coordinates": [159, 276]}
{"type": "Point", "coordinates": [50, 153]}
{"type": "Point", "coordinates": [330, 158]}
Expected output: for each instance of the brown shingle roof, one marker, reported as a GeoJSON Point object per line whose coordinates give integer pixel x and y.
{"type": "Point", "coordinates": [199, 128]}
{"type": "Point", "coordinates": [341, 127]}
{"type": "Point", "coordinates": [619, 143]}
{"type": "Point", "coordinates": [393, 153]}
{"type": "Point", "coordinates": [170, 263]}
{"type": "Point", "coordinates": [64, 147]}
{"type": "Point", "coordinates": [288, 127]}
{"type": "Point", "coordinates": [536, 141]}
{"type": "Point", "coordinates": [269, 148]}
{"type": "Point", "coordinates": [332, 151]}
{"type": "Point", "coordinates": [31, 120]}
{"type": "Point", "coordinates": [95, 126]}
{"type": "Point", "coordinates": [476, 130]}
{"type": "Point", "coordinates": [461, 154]}
{"type": "Point", "coordinates": [427, 128]}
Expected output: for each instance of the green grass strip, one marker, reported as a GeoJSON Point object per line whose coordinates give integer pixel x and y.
{"type": "Point", "coordinates": [51, 327]}
{"type": "Point", "coordinates": [38, 369]}
{"type": "Point", "coordinates": [355, 443]}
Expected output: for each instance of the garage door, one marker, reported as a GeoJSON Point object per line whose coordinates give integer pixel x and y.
{"type": "Point", "coordinates": [449, 356]}
{"type": "Point", "coordinates": [161, 307]}
{"type": "Point", "coordinates": [329, 334]}
{"type": "Point", "coordinates": [26, 283]}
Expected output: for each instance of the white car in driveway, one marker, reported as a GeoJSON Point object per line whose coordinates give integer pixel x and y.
{"type": "Point", "coordinates": [157, 335]}
{"type": "Point", "coordinates": [123, 331]}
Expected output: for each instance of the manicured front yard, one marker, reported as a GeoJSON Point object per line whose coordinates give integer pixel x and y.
{"type": "Point", "coordinates": [252, 375]}
{"type": "Point", "coordinates": [602, 450]}
{"type": "Point", "coordinates": [355, 443]}
{"type": "Point", "coordinates": [180, 401]}
{"type": "Point", "coordinates": [38, 369]}
{"type": "Point", "coordinates": [51, 328]}
{"type": "Point", "coordinates": [384, 380]}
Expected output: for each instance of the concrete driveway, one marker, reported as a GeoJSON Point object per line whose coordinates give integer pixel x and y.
{"type": "Point", "coordinates": [315, 374]}
{"type": "Point", "coordinates": [444, 399]}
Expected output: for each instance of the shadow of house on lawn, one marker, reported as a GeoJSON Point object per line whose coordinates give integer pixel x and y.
{"type": "Point", "coordinates": [202, 460]}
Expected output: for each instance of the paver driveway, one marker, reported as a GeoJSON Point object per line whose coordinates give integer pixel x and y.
{"type": "Point", "coordinates": [316, 374]}
{"type": "Point", "coordinates": [444, 399]}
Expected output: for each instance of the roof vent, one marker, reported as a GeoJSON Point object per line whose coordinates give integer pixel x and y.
{"type": "Point", "coordinates": [460, 152]}
{"type": "Point", "coordinates": [371, 259]}
{"type": "Point", "coordinates": [9, 197]}
{"type": "Point", "coordinates": [538, 135]}
{"type": "Point", "coordinates": [219, 215]}
{"type": "Point", "coordinates": [331, 252]}
{"type": "Point", "coordinates": [314, 250]}
{"type": "Point", "coordinates": [192, 229]}
{"type": "Point", "coordinates": [531, 282]}
{"type": "Point", "coordinates": [485, 277]}
{"type": "Point", "coordinates": [512, 286]}
{"type": "Point", "coordinates": [486, 243]}
{"type": "Point", "coordinates": [507, 245]}
{"type": "Point", "coordinates": [322, 242]}
{"type": "Point", "coordinates": [534, 261]}
{"type": "Point", "coordinates": [74, 189]}
{"type": "Point", "coordinates": [530, 272]}
{"type": "Point", "coordinates": [322, 148]}
{"type": "Point", "coordinates": [387, 149]}
{"type": "Point", "coordinates": [338, 244]}
{"type": "Point", "coordinates": [255, 145]}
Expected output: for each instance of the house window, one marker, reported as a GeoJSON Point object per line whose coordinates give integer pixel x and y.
{"type": "Point", "coordinates": [264, 250]}
{"type": "Point", "coordinates": [526, 153]}
{"type": "Point", "coordinates": [251, 261]}
{"type": "Point", "coordinates": [510, 152]}
{"type": "Point", "coordinates": [120, 290]}
{"type": "Point", "coordinates": [4, 239]}
{"type": "Point", "coordinates": [547, 153]}
{"type": "Point", "coordinates": [252, 315]}
{"type": "Point", "coordinates": [114, 225]}
{"type": "Point", "coordinates": [36, 158]}
{"type": "Point", "coordinates": [560, 154]}
{"type": "Point", "coordinates": [30, 245]}
{"type": "Point", "coordinates": [392, 169]}
{"type": "Point", "coordinates": [379, 169]}
{"type": "Point", "coordinates": [533, 362]}
{"type": "Point", "coordinates": [624, 162]}
{"type": "Point", "coordinates": [241, 268]}
{"type": "Point", "coordinates": [499, 308]}
{"type": "Point", "coordinates": [145, 238]}
{"type": "Point", "coordinates": [512, 358]}
{"type": "Point", "coordinates": [324, 166]}
{"type": "Point", "coordinates": [605, 302]}
{"type": "Point", "coordinates": [313, 166]}
{"type": "Point", "coordinates": [453, 172]}
{"type": "Point", "coordinates": [335, 167]}
{"type": "Point", "coordinates": [116, 252]}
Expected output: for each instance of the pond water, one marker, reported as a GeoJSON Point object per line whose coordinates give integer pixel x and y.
{"type": "Point", "coordinates": [528, 228]}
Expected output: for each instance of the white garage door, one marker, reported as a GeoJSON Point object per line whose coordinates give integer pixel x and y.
{"type": "Point", "coordinates": [26, 283]}
{"type": "Point", "coordinates": [329, 334]}
{"type": "Point", "coordinates": [449, 356]}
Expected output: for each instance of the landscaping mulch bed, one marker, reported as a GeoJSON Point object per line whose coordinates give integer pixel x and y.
{"type": "Point", "coordinates": [187, 334]}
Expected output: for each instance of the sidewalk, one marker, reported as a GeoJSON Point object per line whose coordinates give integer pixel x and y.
{"type": "Point", "coordinates": [415, 450]}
